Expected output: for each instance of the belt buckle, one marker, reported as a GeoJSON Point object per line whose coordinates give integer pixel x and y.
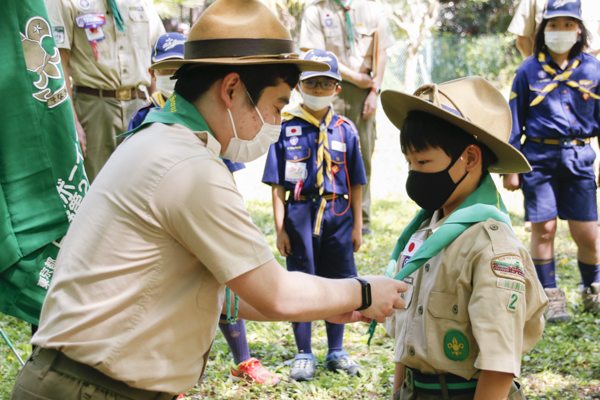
{"type": "Point", "coordinates": [123, 94]}
{"type": "Point", "coordinates": [565, 142]}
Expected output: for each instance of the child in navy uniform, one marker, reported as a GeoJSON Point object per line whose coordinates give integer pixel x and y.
{"type": "Point", "coordinates": [554, 103]}
{"type": "Point", "coordinates": [317, 162]}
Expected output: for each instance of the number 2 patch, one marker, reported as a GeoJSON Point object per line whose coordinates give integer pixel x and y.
{"type": "Point", "coordinates": [513, 302]}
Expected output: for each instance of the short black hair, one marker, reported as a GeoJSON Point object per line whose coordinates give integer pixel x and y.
{"type": "Point", "coordinates": [194, 81]}
{"type": "Point", "coordinates": [422, 130]}
{"type": "Point", "coordinates": [539, 43]}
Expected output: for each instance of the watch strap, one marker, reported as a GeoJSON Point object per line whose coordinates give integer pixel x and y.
{"type": "Point", "coordinates": [366, 293]}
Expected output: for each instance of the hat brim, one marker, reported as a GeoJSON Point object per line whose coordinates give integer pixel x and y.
{"type": "Point", "coordinates": [312, 74]}
{"type": "Point", "coordinates": [556, 14]}
{"type": "Point", "coordinates": [303, 65]}
{"type": "Point", "coordinates": [167, 57]}
{"type": "Point", "coordinates": [397, 105]}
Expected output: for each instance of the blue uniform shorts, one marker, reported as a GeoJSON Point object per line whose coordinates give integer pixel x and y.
{"type": "Point", "coordinates": [562, 182]}
{"type": "Point", "coordinates": [332, 254]}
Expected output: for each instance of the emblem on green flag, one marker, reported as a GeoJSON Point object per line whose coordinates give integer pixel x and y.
{"type": "Point", "coordinates": [456, 345]}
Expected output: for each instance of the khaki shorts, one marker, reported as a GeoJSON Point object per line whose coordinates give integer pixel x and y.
{"type": "Point", "coordinates": [404, 393]}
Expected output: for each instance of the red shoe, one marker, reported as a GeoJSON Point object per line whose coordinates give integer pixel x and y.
{"type": "Point", "coordinates": [181, 396]}
{"type": "Point", "coordinates": [253, 371]}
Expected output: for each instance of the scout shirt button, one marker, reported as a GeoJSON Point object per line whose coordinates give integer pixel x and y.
{"type": "Point", "coordinates": [494, 227]}
{"type": "Point", "coordinates": [295, 157]}
{"type": "Point", "coordinates": [427, 267]}
{"type": "Point", "coordinates": [420, 309]}
{"type": "Point", "coordinates": [411, 351]}
{"type": "Point", "coordinates": [568, 108]}
{"type": "Point", "coordinates": [455, 309]}
{"type": "Point", "coordinates": [316, 185]}
{"type": "Point", "coordinates": [565, 91]}
{"type": "Point", "coordinates": [337, 159]}
{"type": "Point", "coordinates": [316, 141]}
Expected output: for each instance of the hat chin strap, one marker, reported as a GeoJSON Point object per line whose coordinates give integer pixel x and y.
{"type": "Point", "coordinates": [434, 96]}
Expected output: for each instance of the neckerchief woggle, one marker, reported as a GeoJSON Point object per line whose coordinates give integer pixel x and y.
{"type": "Point", "coordinates": [178, 110]}
{"type": "Point", "coordinates": [485, 202]}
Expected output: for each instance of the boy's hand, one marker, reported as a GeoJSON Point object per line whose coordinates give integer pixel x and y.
{"type": "Point", "coordinates": [283, 243]}
{"type": "Point", "coordinates": [356, 238]}
{"type": "Point", "coordinates": [386, 298]}
{"type": "Point", "coordinates": [511, 182]}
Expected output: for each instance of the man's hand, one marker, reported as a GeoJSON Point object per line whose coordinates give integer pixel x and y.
{"type": "Point", "coordinates": [385, 297]}
{"type": "Point", "coordinates": [356, 238]}
{"type": "Point", "coordinates": [511, 182]}
{"type": "Point", "coordinates": [283, 243]}
{"type": "Point", "coordinates": [349, 318]}
{"type": "Point", "coordinates": [370, 105]}
{"type": "Point", "coordinates": [81, 137]}
{"type": "Point", "coordinates": [362, 80]}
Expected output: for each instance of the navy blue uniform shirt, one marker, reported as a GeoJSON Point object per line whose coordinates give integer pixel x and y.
{"type": "Point", "coordinates": [565, 111]}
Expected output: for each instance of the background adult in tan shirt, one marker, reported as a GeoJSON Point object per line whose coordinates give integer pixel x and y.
{"type": "Point", "coordinates": [106, 79]}
{"type": "Point", "coordinates": [140, 280]}
{"type": "Point", "coordinates": [362, 59]}
{"type": "Point", "coordinates": [529, 16]}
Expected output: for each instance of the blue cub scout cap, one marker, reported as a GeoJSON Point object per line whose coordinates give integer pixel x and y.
{"type": "Point", "coordinates": [563, 8]}
{"type": "Point", "coordinates": [168, 46]}
{"type": "Point", "coordinates": [326, 57]}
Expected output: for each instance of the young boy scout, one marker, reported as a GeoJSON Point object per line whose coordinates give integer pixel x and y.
{"type": "Point", "coordinates": [476, 305]}
{"type": "Point", "coordinates": [317, 160]}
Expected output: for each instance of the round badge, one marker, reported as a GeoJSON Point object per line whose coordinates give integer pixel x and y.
{"type": "Point", "coordinates": [542, 74]}
{"type": "Point", "coordinates": [294, 140]}
{"type": "Point", "coordinates": [456, 345]}
{"type": "Point", "coordinates": [84, 4]}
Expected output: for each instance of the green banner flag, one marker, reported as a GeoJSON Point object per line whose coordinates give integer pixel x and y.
{"type": "Point", "coordinates": [42, 180]}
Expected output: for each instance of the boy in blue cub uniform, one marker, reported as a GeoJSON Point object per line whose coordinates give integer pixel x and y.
{"type": "Point", "coordinates": [317, 161]}
{"type": "Point", "coordinates": [170, 46]}
{"type": "Point", "coordinates": [554, 103]}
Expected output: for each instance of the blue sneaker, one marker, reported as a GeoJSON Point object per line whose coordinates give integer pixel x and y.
{"type": "Point", "coordinates": [340, 360]}
{"type": "Point", "coordinates": [303, 368]}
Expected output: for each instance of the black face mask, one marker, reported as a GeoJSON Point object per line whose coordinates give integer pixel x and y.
{"type": "Point", "coordinates": [431, 190]}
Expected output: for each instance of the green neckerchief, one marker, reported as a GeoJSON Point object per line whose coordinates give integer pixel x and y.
{"type": "Point", "coordinates": [348, 23]}
{"type": "Point", "coordinates": [114, 8]}
{"type": "Point", "coordinates": [485, 202]}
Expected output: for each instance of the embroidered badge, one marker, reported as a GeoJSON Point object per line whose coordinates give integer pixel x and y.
{"type": "Point", "coordinates": [335, 169]}
{"type": "Point", "coordinates": [59, 34]}
{"type": "Point", "coordinates": [456, 345]}
{"type": "Point", "coordinates": [513, 95]}
{"type": "Point", "coordinates": [510, 284]}
{"type": "Point", "coordinates": [512, 302]}
{"type": "Point", "coordinates": [294, 140]}
{"type": "Point", "coordinates": [585, 96]}
{"type": "Point", "coordinates": [84, 5]}
{"type": "Point", "coordinates": [509, 266]}
{"type": "Point", "coordinates": [542, 74]}
{"type": "Point", "coordinates": [293, 131]}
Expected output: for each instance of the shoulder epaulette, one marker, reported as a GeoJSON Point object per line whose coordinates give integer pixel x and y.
{"type": "Point", "coordinates": [347, 120]}
{"type": "Point", "coordinates": [525, 61]}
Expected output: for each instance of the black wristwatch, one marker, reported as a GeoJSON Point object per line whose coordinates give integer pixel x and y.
{"type": "Point", "coordinates": [366, 293]}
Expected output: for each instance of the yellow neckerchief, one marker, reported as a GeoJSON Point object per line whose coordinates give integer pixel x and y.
{"type": "Point", "coordinates": [158, 99]}
{"type": "Point", "coordinates": [559, 78]}
{"type": "Point", "coordinates": [323, 147]}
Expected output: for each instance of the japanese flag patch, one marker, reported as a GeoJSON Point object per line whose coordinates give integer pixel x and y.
{"type": "Point", "coordinates": [293, 130]}
{"type": "Point", "coordinates": [509, 267]}
{"type": "Point", "coordinates": [410, 249]}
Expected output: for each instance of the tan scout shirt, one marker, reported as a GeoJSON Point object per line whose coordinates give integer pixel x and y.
{"type": "Point", "coordinates": [124, 57]}
{"type": "Point", "coordinates": [324, 27]}
{"type": "Point", "coordinates": [138, 287]}
{"type": "Point", "coordinates": [467, 292]}
{"type": "Point", "coordinates": [529, 16]}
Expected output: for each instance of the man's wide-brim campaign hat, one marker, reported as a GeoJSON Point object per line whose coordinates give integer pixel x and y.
{"type": "Point", "coordinates": [473, 105]}
{"type": "Point", "coordinates": [240, 32]}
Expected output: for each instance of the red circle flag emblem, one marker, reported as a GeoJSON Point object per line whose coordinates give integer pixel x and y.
{"type": "Point", "coordinates": [411, 247]}
{"type": "Point", "coordinates": [294, 130]}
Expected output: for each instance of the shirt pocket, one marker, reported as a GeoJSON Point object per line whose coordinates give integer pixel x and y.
{"type": "Point", "coordinates": [364, 40]}
{"type": "Point", "coordinates": [448, 319]}
{"type": "Point", "coordinates": [583, 106]}
{"type": "Point", "coordinates": [296, 149]}
{"type": "Point", "coordinates": [139, 20]}
{"type": "Point", "coordinates": [535, 89]}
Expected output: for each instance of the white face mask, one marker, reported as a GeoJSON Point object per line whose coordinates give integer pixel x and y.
{"type": "Point", "coordinates": [316, 103]}
{"type": "Point", "coordinates": [560, 42]}
{"type": "Point", "coordinates": [243, 151]}
{"type": "Point", "coordinates": [165, 85]}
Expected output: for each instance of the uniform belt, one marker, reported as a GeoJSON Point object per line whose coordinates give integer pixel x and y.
{"type": "Point", "coordinates": [122, 94]}
{"type": "Point", "coordinates": [323, 201]}
{"type": "Point", "coordinates": [58, 361]}
{"type": "Point", "coordinates": [315, 197]}
{"type": "Point", "coordinates": [444, 384]}
{"type": "Point", "coordinates": [566, 142]}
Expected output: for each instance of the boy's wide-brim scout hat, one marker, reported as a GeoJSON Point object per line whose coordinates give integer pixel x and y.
{"type": "Point", "coordinates": [240, 32]}
{"type": "Point", "coordinates": [562, 8]}
{"type": "Point", "coordinates": [473, 105]}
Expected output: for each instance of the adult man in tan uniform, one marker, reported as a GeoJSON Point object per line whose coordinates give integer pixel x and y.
{"type": "Point", "coordinates": [107, 73]}
{"type": "Point", "coordinates": [140, 280]}
{"type": "Point", "coordinates": [360, 47]}
{"type": "Point", "coordinates": [529, 16]}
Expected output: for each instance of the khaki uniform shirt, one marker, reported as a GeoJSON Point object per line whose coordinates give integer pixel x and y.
{"type": "Point", "coordinates": [324, 27]}
{"type": "Point", "coordinates": [529, 16]}
{"type": "Point", "coordinates": [469, 308]}
{"type": "Point", "coordinates": [138, 287]}
{"type": "Point", "coordinates": [124, 57]}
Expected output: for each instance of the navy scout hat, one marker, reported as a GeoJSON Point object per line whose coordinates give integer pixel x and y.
{"type": "Point", "coordinates": [323, 56]}
{"type": "Point", "coordinates": [168, 47]}
{"type": "Point", "coordinates": [563, 8]}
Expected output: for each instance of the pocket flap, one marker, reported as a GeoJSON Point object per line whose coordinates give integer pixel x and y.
{"type": "Point", "coordinates": [447, 306]}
